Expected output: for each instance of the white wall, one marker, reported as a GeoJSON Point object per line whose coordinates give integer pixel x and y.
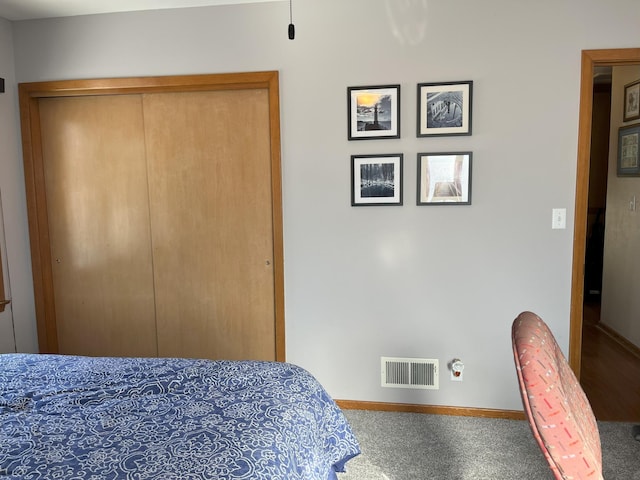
{"type": "Point", "coordinates": [434, 282]}
{"type": "Point", "coordinates": [621, 262]}
{"type": "Point", "coordinates": [18, 277]}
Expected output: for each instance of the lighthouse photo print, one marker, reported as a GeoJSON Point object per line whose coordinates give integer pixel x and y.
{"type": "Point", "coordinates": [374, 112]}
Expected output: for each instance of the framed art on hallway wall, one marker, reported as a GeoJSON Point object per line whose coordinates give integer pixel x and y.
{"type": "Point", "coordinates": [628, 159]}
{"type": "Point", "coordinates": [631, 101]}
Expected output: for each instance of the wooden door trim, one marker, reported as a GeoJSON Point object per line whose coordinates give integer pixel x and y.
{"type": "Point", "coordinates": [590, 60]}
{"type": "Point", "coordinates": [29, 95]}
{"type": "Point", "coordinates": [4, 301]}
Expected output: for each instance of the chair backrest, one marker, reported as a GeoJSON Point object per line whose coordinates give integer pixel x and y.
{"type": "Point", "coordinates": [557, 408]}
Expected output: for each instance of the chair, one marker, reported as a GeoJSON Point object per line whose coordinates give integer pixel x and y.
{"type": "Point", "coordinates": [557, 408]}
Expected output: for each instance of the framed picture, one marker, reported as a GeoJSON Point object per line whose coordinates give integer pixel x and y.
{"type": "Point", "coordinates": [376, 179]}
{"type": "Point", "coordinates": [444, 178]}
{"type": "Point", "coordinates": [631, 101]}
{"type": "Point", "coordinates": [374, 112]}
{"type": "Point", "coordinates": [628, 163]}
{"type": "Point", "coordinates": [444, 109]}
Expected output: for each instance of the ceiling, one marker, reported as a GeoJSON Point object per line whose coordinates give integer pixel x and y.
{"type": "Point", "coordinates": [31, 9]}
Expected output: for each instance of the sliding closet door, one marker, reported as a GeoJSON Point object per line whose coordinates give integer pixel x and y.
{"type": "Point", "coordinates": [93, 157]}
{"type": "Point", "coordinates": [210, 193]}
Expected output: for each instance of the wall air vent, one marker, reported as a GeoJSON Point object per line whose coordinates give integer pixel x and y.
{"type": "Point", "coordinates": [409, 373]}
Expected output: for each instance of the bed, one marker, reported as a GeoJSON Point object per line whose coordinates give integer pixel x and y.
{"type": "Point", "coordinates": [72, 417]}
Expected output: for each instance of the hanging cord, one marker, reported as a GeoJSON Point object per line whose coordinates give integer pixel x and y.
{"type": "Point", "coordinates": [292, 28]}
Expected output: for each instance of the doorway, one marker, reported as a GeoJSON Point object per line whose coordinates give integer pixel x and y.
{"type": "Point", "coordinates": [585, 285]}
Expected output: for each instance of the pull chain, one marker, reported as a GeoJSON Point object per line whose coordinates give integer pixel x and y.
{"type": "Point", "coordinates": [292, 28]}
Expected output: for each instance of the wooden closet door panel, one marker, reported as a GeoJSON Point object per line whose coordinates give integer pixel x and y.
{"type": "Point", "coordinates": [98, 214]}
{"type": "Point", "coordinates": [211, 217]}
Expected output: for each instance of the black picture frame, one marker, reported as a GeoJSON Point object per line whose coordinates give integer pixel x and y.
{"type": "Point", "coordinates": [376, 179]}
{"type": "Point", "coordinates": [373, 112]}
{"type": "Point", "coordinates": [628, 143]}
{"type": "Point", "coordinates": [631, 101]}
{"type": "Point", "coordinates": [444, 178]}
{"type": "Point", "coordinates": [444, 109]}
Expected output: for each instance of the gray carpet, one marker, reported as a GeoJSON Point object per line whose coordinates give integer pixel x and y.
{"type": "Point", "coordinates": [414, 446]}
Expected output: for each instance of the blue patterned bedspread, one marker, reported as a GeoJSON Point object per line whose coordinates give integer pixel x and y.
{"type": "Point", "coordinates": [66, 417]}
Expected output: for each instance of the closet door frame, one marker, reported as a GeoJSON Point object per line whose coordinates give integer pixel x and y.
{"type": "Point", "coordinates": [30, 95]}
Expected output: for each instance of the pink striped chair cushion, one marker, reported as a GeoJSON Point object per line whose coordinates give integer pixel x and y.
{"type": "Point", "coordinates": [557, 408]}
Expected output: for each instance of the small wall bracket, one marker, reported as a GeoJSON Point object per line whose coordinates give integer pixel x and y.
{"type": "Point", "coordinates": [1, 85]}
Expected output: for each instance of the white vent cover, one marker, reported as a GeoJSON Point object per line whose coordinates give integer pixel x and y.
{"type": "Point", "coordinates": [409, 373]}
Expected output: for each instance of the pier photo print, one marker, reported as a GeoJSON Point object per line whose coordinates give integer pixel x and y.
{"type": "Point", "coordinates": [376, 179]}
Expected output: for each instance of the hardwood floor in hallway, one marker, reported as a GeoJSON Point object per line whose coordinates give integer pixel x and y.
{"type": "Point", "coordinates": [610, 374]}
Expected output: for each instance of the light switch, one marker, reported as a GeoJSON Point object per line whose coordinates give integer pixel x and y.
{"type": "Point", "coordinates": [559, 218]}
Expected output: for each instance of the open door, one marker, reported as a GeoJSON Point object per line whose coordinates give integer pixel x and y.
{"type": "Point", "coordinates": [591, 59]}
